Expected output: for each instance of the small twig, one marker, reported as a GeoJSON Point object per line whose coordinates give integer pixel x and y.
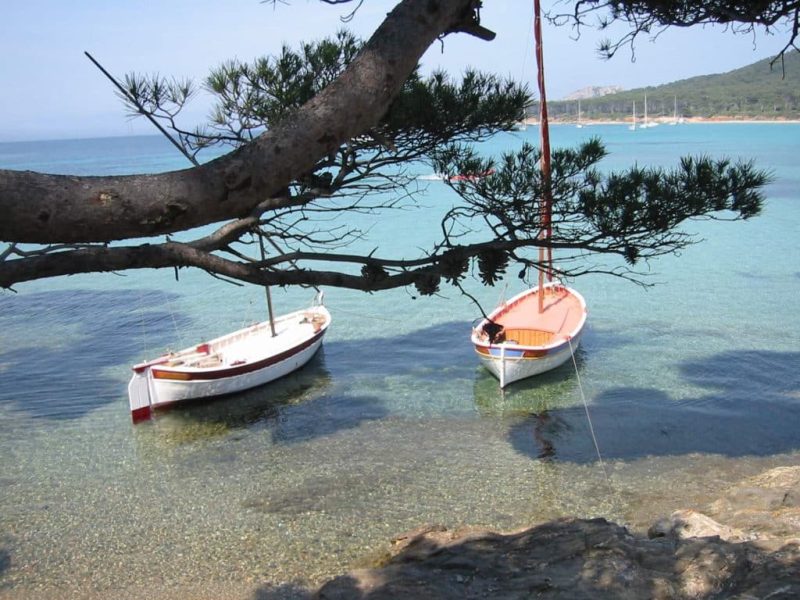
{"type": "Point", "coordinates": [142, 110]}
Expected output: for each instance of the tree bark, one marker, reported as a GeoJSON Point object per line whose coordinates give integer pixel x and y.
{"type": "Point", "coordinates": [46, 209]}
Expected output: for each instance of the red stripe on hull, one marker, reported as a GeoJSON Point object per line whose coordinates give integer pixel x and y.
{"type": "Point", "coordinates": [141, 414]}
{"type": "Point", "coordinates": [532, 354]}
{"type": "Point", "coordinates": [238, 369]}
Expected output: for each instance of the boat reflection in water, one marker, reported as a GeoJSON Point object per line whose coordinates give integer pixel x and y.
{"type": "Point", "coordinates": [537, 409]}
{"type": "Point", "coordinates": [209, 419]}
{"type": "Point", "coordinates": [553, 389]}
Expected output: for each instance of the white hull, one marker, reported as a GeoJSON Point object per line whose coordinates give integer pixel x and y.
{"type": "Point", "coordinates": [534, 340]}
{"type": "Point", "coordinates": [509, 369]}
{"type": "Point", "coordinates": [235, 362]}
{"type": "Point", "coordinates": [166, 391]}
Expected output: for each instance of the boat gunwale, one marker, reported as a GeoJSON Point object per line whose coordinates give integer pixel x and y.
{"type": "Point", "coordinates": [158, 364]}
{"type": "Point", "coordinates": [198, 375]}
{"type": "Point", "coordinates": [562, 338]}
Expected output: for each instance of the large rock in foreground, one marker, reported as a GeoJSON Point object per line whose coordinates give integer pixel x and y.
{"type": "Point", "coordinates": [595, 559]}
{"type": "Point", "coordinates": [575, 559]}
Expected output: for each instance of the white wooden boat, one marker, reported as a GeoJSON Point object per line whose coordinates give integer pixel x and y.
{"type": "Point", "coordinates": [533, 332]}
{"type": "Point", "coordinates": [234, 362]}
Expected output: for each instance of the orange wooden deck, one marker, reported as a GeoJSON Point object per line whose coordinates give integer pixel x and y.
{"type": "Point", "coordinates": [562, 313]}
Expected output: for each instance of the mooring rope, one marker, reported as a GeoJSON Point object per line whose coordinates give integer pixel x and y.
{"type": "Point", "coordinates": [589, 416]}
{"type": "Point", "coordinates": [143, 328]}
{"type": "Point", "coordinates": [366, 316]}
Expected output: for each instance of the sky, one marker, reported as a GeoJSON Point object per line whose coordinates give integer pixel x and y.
{"type": "Point", "coordinates": [50, 90]}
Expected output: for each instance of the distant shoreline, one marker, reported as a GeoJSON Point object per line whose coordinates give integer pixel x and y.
{"type": "Point", "coordinates": [669, 121]}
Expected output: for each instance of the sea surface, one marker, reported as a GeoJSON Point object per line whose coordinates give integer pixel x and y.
{"type": "Point", "coordinates": [690, 385]}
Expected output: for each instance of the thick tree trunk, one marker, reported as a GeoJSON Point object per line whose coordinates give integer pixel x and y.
{"type": "Point", "coordinates": [46, 209]}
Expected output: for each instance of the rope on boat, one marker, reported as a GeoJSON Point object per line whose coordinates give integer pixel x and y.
{"type": "Point", "coordinates": [545, 265]}
{"type": "Point", "coordinates": [589, 416]}
{"type": "Point", "coordinates": [366, 316]}
{"type": "Point", "coordinates": [178, 334]}
{"type": "Point", "coordinates": [145, 341]}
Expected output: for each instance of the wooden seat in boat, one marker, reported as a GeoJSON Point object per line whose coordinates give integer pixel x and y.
{"type": "Point", "coordinates": [213, 360]}
{"type": "Point", "coordinates": [529, 337]}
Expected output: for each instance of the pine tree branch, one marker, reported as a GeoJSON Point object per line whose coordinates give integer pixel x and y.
{"type": "Point", "coordinates": [40, 208]}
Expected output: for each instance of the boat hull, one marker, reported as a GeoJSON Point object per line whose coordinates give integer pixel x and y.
{"type": "Point", "coordinates": [512, 365]}
{"type": "Point", "coordinates": [239, 361]}
{"type": "Point", "coordinates": [539, 340]}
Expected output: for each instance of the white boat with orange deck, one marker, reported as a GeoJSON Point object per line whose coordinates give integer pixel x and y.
{"type": "Point", "coordinates": [522, 337]}
{"type": "Point", "coordinates": [539, 329]}
{"type": "Point", "coordinates": [232, 363]}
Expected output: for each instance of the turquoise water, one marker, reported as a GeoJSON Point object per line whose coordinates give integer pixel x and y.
{"type": "Point", "coordinates": [691, 384]}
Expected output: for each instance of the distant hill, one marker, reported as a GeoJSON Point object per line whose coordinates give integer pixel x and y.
{"type": "Point", "coordinates": [751, 92]}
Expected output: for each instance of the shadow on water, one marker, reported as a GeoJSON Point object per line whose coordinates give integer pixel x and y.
{"type": "Point", "coordinates": [284, 591]}
{"type": "Point", "coordinates": [552, 389]}
{"type": "Point", "coordinates": [296, 408]}
{"type": "Point", "coordinates": [59, 347]}
{"type": "Point", "coordinates": [5, 561]}
{"type": "Point", "coordinates": [753, 410]}
{"type": "Point", "coordinates": [255, 405]}
{"type": "Point", "coordinates": [430, 353]}
{"type": "Point", "coordinates": [321, 398]}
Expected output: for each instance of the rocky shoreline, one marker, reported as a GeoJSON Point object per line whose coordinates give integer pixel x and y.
{"type": "Point", "coordinates": [744, 545]}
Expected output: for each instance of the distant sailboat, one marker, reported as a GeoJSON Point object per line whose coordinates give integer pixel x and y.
{"type": "Point", "coordinates": [647, 124]}
{"type": "Point", "coordinates": [632, 126]}
{"type": "Point", "coordinates": [579, 125]}
{"type": "Point", "coordinates": [675, 119]}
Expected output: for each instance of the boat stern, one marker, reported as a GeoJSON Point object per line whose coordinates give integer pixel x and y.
{"type": "Point", "coordinates": [139, 395]}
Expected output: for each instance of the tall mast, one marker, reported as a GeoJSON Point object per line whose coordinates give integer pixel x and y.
{"type": "Point", "coordinates": [545, 254]}
{"type": "Point", "coordinates": [266, 287]}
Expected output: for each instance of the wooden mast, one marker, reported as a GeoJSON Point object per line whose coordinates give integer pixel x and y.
{"type": "Point", "coordinates": [266, 287]}
{"type": "Point", "coordinates": [545, 254]}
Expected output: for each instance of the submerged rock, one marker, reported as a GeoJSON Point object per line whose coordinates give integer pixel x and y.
{"type": "Point", "coordinates": [685, 524]}
{"type": "Point", "coordinates": [688, 555]}
{"type": "Point", "coordinates": [766, 506]}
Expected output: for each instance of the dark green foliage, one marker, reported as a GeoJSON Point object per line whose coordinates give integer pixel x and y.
{"type": "Point", "coordinates": [440, 105]}
{"type": "Point", "coordinates": [626, 204]}
{"type": "Point", "coordinates": [634, 214]}
{"type": "Point", "coordinates": [255, 96]}
{"type": "Point", "coordinates": [453, 266]}
{"type": "Point", "coordinates": [649, 17]}
{"type": "Point", "coordinates": [249, 98]}
{"type": "Point", "coordinates": [755, 91]}
{"type": "Point", "coordinates": [492, 264]}
{"type": "Point", "coordinates": [427, 283]}
{"type": "Point", "coordinates": [373, 273]}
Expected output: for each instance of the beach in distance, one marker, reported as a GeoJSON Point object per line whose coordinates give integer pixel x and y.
{"type": "Point", "coordinates": [721, 120]}
{"type": "Point", "coordinates": [692, 385]}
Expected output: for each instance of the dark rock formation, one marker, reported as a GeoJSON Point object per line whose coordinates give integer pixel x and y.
{"type": "Point", "coordinates": [688, 555]}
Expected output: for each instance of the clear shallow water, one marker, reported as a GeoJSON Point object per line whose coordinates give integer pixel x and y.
{"type": "Point", "coordinates": [691, 385]}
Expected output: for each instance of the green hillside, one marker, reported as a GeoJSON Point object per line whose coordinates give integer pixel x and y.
{"type": "Point", "coordinates": [754, 91]}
